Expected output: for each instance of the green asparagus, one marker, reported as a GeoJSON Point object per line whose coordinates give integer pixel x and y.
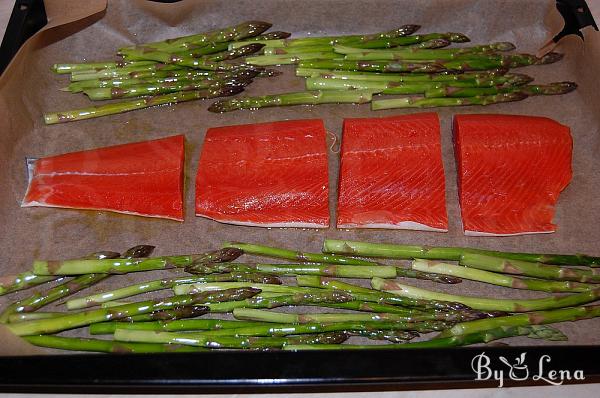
{"type": "Point", "coordinates": [537, 270]}
{"type": "Point", "coordinates": [499, 279]}
{"type": "Point", "coordinates": [126, 106]}
{"type": "Point", "coordinates": [70, 321]}
{"type": "Point", "coordinates": [489, 304]}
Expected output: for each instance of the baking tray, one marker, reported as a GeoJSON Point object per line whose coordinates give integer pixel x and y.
{"type": "Point", "coordinates": [249, 371]}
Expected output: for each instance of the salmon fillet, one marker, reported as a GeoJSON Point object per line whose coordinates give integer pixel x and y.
{"type": "Point", "coordinates": [392, 175]}
{"type": "Point", "coordinates": [511, 170]}
{"type": "Point", "coordinates": [268, 175]}
{"type": "Point", "coordinates": [142, 178]}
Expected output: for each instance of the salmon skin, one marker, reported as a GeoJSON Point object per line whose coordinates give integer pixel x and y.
{"type": "Point", "coordinates": [268, 175]}
{"type": "Point", "coordinates": [142, 178]}
{"type": "Point", "coordinates": [392, 175]}
{"type": "Point", "coordinates": [511, 170]}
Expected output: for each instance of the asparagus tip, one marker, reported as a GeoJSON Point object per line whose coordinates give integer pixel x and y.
{"type": "Point", "coordinates": [458, 38]}
{"type": "Point", "coordinates": [505, 46]}
{"type": "Point", "coordinates": [550, 58]}
{"type": "Point", "coordinates": [562, 87]}
{"type": "Point", "coordinates": [438, 43]}
{"type": "Point", "coordinates": [410, 29]}
{"type": "Point", "coordinates": [231, 90]}
{"type": "Point", "coordinates": [139, 251]}
{"type": "Point", "coordinates": [218, 107]}
{"type": "Point", "coordinates": [519, 79]}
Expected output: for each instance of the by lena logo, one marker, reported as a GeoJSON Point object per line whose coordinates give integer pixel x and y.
{"type": "Point", "coordinates": [518, 370]}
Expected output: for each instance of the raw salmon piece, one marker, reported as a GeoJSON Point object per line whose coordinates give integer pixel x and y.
{"type": "Point", "coordinates": [392, 175]}
{"type": "Point", "coordinates": [268, 175]}
{"type": "Point", "coordinates": [511, 170]}
{"type": "Point", "coordinates": [142, 178]}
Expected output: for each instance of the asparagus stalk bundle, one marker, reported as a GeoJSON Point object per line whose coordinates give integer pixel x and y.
{"type": "Point", "coordinates": [204, 54]}
{"type": "Point", "coordinates": [395, 312]}
{"type": "Point", "coordinates": [70, 321]}
{"type": "Point", "coordinates": [330, 259]}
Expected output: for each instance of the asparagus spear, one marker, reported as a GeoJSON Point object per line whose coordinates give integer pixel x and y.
{"type": "Point", "coordinates": [342, 271]}
{"type": "Point", "coordinates": [461, 88]}
{"type": "Point", "coordinates": [40, 299]}
{"type": "Point", "coordinates": [164, 315]}
{"type": "Point", "coordinates": [29, 316]}
{"type": "Point", "coordinates": [330, 259]}
{"type": "Point", "coordinates": [324, 282]}
{"type": "Point", "coordinates": [409, 77]}
{"type": "Point", "coordinates": [237, 32]}
{"type": "Point", "coordinates": [430, 44]}
{"type": "Point", "coordinates": [394, 336]}
{"type": "Point", "coordinates": [70, 321]}
{"type": "Point", "coordinates": [414, 102]}
{"type": "Point", "coordinates": [176, 325]}
{"type": "Point", "coordinates": [489, 304]}
{"type": "Point", "coordinates": [291, 51]}
{"type": "Point", "coordinates": [263, 329]}
{"type": "Point", "coordinates": [94, 66]}
{"type": "Point", "coordinates": [211, 48]}
{"type": "Point", "coordinates": [296, 299]}
{"type": "Point", "coordinates": [410, 40]}
{"type": "Point", "coordinates": [184, 73]}
{"type": "Point", "coordinates": [290, 59]}
{"type": "Point", "coordinates": [474, 63]}
{"type": "Point", "coordinates": [404, 30]}
{"type": "Point", "coordinates": [419, 54]}
{"type": "Point", "coordinates": [537, 270]}
{"type": "Point", "coordinates": [200, 340]}
{"type": "Point", "coordinates": [374, 66]}
{"type": "Point", "coordinates": [298, 98]}
{"type": "Point", "coordinates": [96, 345]}
{"type": "Point", "coordinates": [486, 336]}
{"type": "Point", "coordinates": [149, 89]}
{"type": "Point", "coordinates": [195, 58]}
{"type": "Point", "coordinates": [126, 71]}
{"type": "Point", "coordinates": [394, 251]}
{"type": "Point", "coordinates": [207, 62]}
{"type": "Point", "coordinates": [121, 266]}
{"type": "Point", "coordinates": [372, 42]}
{"type": "Point", "coordinates": [77, 87]}
{"type": "Point", "coordinates": [531, 318]}
{"type": "Point", "coordinates": [557, 88]}
{"type": "Point", "coordinates": [186, 311]}
{"type": "Point", "coordinates": [22, 281]}
{"type": "Point", "coordinates": [25, 280]}
{"type": "Point", "coordinates": [366, 306]}
{"type": "Point", "coordinates": [357, 294]}
{"type": "Point", "coordinates": [250, 314]}
{"type": "Point", "coordinates": [126, 106]}
{"type": "Point", "coordinates": [499, 279]}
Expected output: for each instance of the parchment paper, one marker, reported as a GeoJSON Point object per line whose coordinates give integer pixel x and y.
{"type": "Point", "coordinates": [80, 31]}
